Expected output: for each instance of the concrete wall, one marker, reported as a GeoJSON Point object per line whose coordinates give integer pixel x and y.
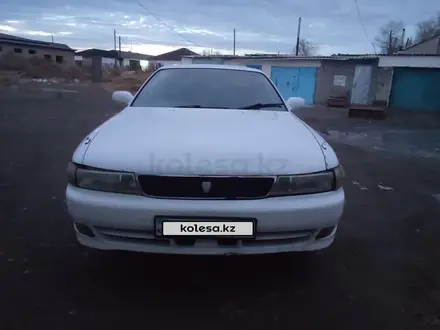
{"type": "Point", "coordinates": [266, 65]}
{"type": "Point", "coordinates": [325, 87]}
{"type": "Point", "coordinates": [410, 61]}
{"type": "Point", "coordinates": [431, 47]}
{"type": "Point", "coordinates": [166, 63]}
{"type": "Point", "coordinates": [68, 57]}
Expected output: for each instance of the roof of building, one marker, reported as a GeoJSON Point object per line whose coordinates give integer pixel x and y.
{"type": "Point", "coordinates": [113, 54]}
{"type": "Point", "coordinates": [13, 40]}
{"type": "Point", "coordinates": [289, 57]}
{"type": "Point", "coordinates": [209, 66]}
{"type": "Point", "coordinates": [437, 35]}
{"type": "Point", "coordinates": [411, 55]}
{"type": "Point", "coordinates": [175, 55]}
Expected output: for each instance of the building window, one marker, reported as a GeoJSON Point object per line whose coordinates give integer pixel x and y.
{"type": "Point", "coordinates": [59, 59]}
{"type": "Point", "coordinates": [18, 50]}
{"type": "Point", "coordinates": [32, 51]}
{"type": "Point", "coordinates": [47, 57]}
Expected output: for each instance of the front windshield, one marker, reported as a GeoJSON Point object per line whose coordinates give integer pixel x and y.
{"type": "Point", "coordinates": [209, 88]}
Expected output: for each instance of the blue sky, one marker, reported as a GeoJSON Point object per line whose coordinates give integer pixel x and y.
{"type": "Point", "coordinates": [262, 25]}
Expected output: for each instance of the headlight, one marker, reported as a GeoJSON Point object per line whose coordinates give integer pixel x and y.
{"type": "Point", "coordinates": [339, 176]}
{"type": "Point", "coordinates": [102, 180]}
{"type": "Point", "coordinates": [308, 183]}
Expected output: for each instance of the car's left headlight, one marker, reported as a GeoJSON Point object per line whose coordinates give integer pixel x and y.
{"type": "Point", "coordinates": [102, 180]}
{"type": "Point", "coordinates": [313, 183]}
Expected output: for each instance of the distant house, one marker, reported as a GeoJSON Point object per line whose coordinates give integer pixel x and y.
{"type": "Point", "coordinates": [170, 58]}
{"type": "Point", "coordinates": [427, 47]}
{"type": "Point", "coordinates": [29, 48]}
{"type": "Point", "coordinates": [124, 59]}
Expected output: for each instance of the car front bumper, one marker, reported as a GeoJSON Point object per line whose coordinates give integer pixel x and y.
{"type": "Point", "coordinates": [126, 222]}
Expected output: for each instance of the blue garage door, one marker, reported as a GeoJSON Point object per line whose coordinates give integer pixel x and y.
{"type": "Point", "coordinates": [254, 66]}
{"type": "Point", "coordinates": [415, 89]}
{"type": "Point", "coordinates": [292, 81]}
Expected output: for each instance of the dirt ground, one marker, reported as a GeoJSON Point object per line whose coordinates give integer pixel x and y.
{"type": "Point", "coordinates": [383, 271]}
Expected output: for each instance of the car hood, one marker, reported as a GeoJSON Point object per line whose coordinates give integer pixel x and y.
{"type": "Point", "coordinates": [205, 142]}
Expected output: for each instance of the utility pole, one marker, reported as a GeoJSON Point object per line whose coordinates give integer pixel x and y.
{"type": "Point", "coordinates": [114, 39]}
{"type": "Point", "coordinates": [234, 41]}
{"type": "Point", "coordinates": [120, 54]}
{"type": "Point", "coordinates": [297, 36]}
{"type": "Point", "coordinates": [52, 38]}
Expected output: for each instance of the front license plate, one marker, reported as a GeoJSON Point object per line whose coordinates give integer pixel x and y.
{"type": "Point", "coordinates": [206, 228]}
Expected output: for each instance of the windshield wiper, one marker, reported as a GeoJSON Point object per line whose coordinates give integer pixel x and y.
{"type": "Point", "coordinates": [198, 106]}
{"type": "Point", "coordinates": [257, 106]}
{"type": "Point", "coordinates": [187, 106]}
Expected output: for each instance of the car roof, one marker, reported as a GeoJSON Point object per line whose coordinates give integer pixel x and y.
{"type": "Point", "coordinates": [209, 66]}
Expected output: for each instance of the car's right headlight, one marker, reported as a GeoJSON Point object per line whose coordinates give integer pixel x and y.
{"type": "Point", "coordinates": [313, 183]}
{"type": "Point", "coordinates": [102, 180]}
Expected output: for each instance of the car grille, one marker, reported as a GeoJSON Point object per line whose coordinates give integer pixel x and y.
{"type": "Point", "coordinates": [191, 187]}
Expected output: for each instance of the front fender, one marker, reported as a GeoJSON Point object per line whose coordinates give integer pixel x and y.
{"type": "Point", "coordinates": [80, 152]}
{"type": "Point", "coordinates": [331, 159]}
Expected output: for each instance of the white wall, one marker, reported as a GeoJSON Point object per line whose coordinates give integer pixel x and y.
{"type": "Point", "coordinates": [108, 60]}
{"type": "Point", "coordinates": [266, 65]}
{"type": "Point", "coordinates": [126, 62]}
{"type": "Point", "coordinates": [410, 61]}
{"type": "Point", "coordinates": [166, 63]}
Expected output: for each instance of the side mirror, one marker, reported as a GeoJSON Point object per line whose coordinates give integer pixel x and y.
{"type": "Point", "coordinates": [294, 103]}
{"type": "Point", "coordinates": [122, 97]}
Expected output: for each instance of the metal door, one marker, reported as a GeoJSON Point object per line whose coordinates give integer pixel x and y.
{"type": "Point", "coordinates": [294, 81]}
{"type": "Point", "coordinates": [361, 84]}
{"type": "Point", "coordinates": [416, 89]}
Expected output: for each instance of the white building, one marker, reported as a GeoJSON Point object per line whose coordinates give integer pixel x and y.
{"type": "Point", "coordinates": [170, 58]}
{"type": "Point", "coordinates": [108, 57]}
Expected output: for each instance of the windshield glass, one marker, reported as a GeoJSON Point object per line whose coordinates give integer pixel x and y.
{"type": "Point", "coordinates": [209, 88]}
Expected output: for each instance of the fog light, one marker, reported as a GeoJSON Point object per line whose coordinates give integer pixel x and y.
{"type": "Point", "coordinates": [85, 230]}
{"type": "Point", "coordinates": [324, 232]}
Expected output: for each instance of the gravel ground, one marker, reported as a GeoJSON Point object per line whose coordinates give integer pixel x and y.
{"type": "Point", "coordinates": [382, 272]}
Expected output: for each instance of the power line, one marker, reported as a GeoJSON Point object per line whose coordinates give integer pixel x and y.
{"type": "Point", "coordinates": [363, 26]}
{"type": "Point", "coordinates": [166, 25]}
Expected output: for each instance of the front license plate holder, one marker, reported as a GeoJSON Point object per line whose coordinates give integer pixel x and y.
{"type": "Point", "coordinates": [203, 227]}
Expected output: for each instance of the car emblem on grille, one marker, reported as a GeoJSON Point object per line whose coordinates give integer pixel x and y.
{"type": "Point", "coordinates": [206, 186]}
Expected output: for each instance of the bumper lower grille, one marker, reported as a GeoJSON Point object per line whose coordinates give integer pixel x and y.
{"type": "Point", "coordinates": [194, 187]}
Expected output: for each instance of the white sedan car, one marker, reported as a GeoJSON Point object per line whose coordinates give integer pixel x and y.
{"type": "Point", "coordinates": [205, 159]}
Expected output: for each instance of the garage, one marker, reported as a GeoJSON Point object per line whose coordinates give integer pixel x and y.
{"type": "Point", "coordinates": [295, 81]}
{"type": "Point", "coordinates": [416, 89]}
{"type": "Point", "coordinates": [207, 60]}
